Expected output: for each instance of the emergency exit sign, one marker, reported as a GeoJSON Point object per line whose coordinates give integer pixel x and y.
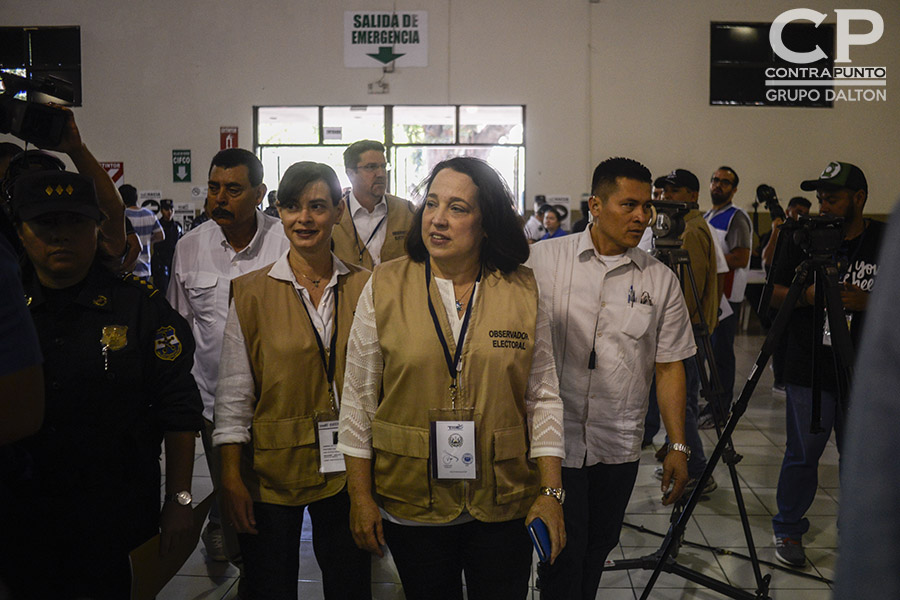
{"type": "Point", "coordinates": [181, 165]}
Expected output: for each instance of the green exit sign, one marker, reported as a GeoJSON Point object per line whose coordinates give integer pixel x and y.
{"type": "Point", "coordinates": [181, 165]}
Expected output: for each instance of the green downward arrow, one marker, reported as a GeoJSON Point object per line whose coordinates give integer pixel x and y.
{"type": "Point", "coordinates": [385, 55]}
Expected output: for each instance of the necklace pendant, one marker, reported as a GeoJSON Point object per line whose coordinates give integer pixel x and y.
{"type": "Point", "coordinates": [459, 306]}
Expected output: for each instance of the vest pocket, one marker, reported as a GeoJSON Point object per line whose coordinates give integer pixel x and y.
{"type": "Point", "coordinates": [515, 476]}
{"type": "Point", "coordinates": [401, 463]}
{"type": "Point", "coordinates": [285, 453]}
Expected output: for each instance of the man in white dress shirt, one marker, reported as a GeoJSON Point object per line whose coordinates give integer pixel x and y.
{"type": "Point", "coordinates": [618, 316]}
{"type": "Point", "coordinates": [237, 239]}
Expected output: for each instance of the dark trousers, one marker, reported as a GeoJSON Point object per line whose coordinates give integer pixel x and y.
{"type": "Point", "coordinates": [799, 477]}
{"type": "Point", "coordinates": [722, 340]}
{"type": "Point", "coordinates": [596, 498]}
{"type": "Point", "coordinates": [272, 558]}
{"type": "Point", "coordinates": [495, 557]}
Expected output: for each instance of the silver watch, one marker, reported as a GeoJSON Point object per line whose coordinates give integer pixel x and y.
{"type": "Point", "coordinates": [183, 498]}
{"type": "Point", "coordinates": [683, 448]}
{"type": "Point", "coordinates": [558, 493]}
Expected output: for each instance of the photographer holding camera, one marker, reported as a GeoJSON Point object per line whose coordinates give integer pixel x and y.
{"type": "Point", "coordinates": [842, 191]}
{"type": "Point", "coordinates": [797, 207]}
{"type": "Point", "coordinates": [112, 228]}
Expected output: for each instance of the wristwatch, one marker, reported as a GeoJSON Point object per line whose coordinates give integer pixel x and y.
{"type": "Point", "coordinates": [182, 498]}
{"type": "Point", "coordinates": [558, 493]}
{"type": "Point", "coordinates": [683, 448]}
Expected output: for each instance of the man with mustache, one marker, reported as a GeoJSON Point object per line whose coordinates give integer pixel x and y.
{"type": "Point", "coordinates": [237, 239]}
{"type": "Point", "coordinates": [373, 228]}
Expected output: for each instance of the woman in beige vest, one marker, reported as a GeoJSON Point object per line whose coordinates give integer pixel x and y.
{"type": "Point", "coordinates": [451, 422]}
{"type": "Point", "coordinates": [277, 400]}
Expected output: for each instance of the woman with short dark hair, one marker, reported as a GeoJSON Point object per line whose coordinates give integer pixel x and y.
{"type": "Point", "coordinates": [277, 402]}
{"type": "Point", "coordinates": [451, 409]}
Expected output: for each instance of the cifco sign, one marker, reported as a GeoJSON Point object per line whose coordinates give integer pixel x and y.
{"type": "Point", "coordinates": [842, 82]}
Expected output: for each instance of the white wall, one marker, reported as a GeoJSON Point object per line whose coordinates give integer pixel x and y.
{"type": "Point", "coordinates": [650, 87]}
{"type": "Point", "coordinates": [621, 77]}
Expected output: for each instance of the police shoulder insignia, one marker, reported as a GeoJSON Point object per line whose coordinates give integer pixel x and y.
{"type": "Point", "coordinates": [166, 344]}
{"type": "Point", "coordinates": [141, 283]}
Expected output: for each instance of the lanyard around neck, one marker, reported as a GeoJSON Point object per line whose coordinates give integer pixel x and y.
{"type": "Point", "coordinates": [328, 362]}
{"type": "Point", "coordinates": [362, 249]}
{"type": "Point", "coordinates": [452, 361]}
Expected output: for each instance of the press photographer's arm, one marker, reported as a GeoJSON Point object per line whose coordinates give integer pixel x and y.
{"type": "Point", "coordinates": [112, 229]}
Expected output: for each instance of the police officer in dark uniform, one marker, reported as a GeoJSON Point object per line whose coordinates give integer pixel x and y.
{"type": "Point", "coordinates": [164, 251]}
{"type": "Point", "coordinates": [118, 383]}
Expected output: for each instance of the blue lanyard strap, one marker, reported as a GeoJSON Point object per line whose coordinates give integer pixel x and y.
{"type": "Point", "coordinates": [452, 362]}
{"type": "Point", "coordinates": [329, 362]}
{"type": "Point", "coordinates": [356, 235]}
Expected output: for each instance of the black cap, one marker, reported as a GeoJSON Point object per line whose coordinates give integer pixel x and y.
{"type": "Point", "coordinates": [683, 178]}
{"type": "Point", "coordinates": [838, 175]}
{"type": "Point", "coordinates": [166, 203]}
{"type": "Point", "coordinates": [43, 192]}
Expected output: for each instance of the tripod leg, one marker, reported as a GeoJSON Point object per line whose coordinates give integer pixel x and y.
{"type": "Point", "coordinates": [841, 343]}
{"type": "Point", "coordinates": [676, 531]}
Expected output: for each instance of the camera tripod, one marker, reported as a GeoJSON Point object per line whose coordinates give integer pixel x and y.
{"type": "Point", "coordinates": [663, 559]}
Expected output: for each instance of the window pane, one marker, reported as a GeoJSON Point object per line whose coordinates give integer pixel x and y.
{"type": "Point", "coordinates": [288, 125]}
{"type": "Point", "coordinates": [344, 125]}
{"type": "Point", "coordinates": [413, 164]}
{"type": "Point", "coordinates": [424, 124]}
{"type": "Point", "coordinates": [491, 125]}
{"type": "Point", "coordinates": [276, 161]}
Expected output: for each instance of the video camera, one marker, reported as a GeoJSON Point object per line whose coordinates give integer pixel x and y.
{"type": "Point", "coordinates": [765, 194]}
{"type": "Point", "coordinates": [667, 222]}
{"type": "Point", "coordinates": [33, 122]}
{"type": "Point", "coordinates": [818, 236]}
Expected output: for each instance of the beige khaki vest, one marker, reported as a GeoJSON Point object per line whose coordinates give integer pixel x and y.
{"type": "Point", "coordinates": [496, 362]}
{"type": "Point", "coordinates": [281, 466]}
{"type": "Point", "coordinates": [399, 219]}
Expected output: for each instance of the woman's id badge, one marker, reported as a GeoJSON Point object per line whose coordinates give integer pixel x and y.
{"type": "Point", "coordinates": [331, 460]}
{"type": "Point", "coordinates": [453, 449]}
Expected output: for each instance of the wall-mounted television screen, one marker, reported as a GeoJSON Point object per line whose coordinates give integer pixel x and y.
{"type": "Point", "coordinates": [741, 60]}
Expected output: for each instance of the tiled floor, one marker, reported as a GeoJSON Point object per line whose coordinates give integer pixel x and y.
{"type": "Point", "coordinates": [715, 523]}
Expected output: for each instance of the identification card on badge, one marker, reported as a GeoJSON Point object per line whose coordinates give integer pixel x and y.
{"type": "Point", "coordinates": [453, 449]}
{"type": "Point", "coordinates": [826, 329]}
{"type": "Point", "coordinates": [330, 458]}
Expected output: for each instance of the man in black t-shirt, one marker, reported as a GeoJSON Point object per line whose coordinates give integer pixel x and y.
{"type": "Point", "coordinates": [842, 191]}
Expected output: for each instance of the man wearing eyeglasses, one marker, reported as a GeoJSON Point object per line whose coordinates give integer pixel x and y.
{"type": "Point", "coordinates": [237, 239]}
{"type": "Point", "coordinates": [731, 225]}
{"type": "Point", "coordinates": [373, 228]}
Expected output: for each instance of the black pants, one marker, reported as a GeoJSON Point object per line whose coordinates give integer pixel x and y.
{"type": "Point", "coordinates": [495, 557]}
{"type": "Point", "coordinates": [722, 340]}
{"type": "Point", "coordinates": [596, 498]}
{"type": "Point", "coordinates": [272, 558]}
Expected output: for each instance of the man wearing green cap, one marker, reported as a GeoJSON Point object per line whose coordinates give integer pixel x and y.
{"type": "Point", "coordinates": [842, 191]}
